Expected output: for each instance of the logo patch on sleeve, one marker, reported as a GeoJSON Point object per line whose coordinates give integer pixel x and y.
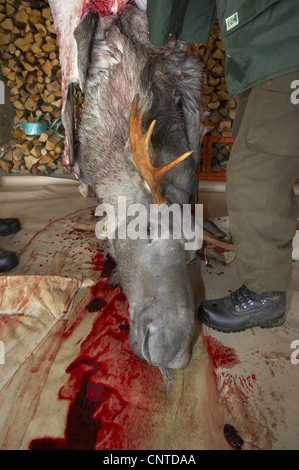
{"type": "Point", "coordinates": [232, 21]}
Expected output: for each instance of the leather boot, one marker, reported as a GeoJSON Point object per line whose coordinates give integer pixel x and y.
{"type": "Point", "coordinates": [9, 226]}
{"type": "Point", "coordinates": [244, 309]}
{"type": "Point", "coordinates": [8, 260]}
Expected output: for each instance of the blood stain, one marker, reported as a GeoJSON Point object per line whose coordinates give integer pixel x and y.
{"type": "Point", "coordinates": [221, 356]}
{"type": "Point", "coordinates": [109, 266]}
{"type": "Point", "coordinates": [104, 379]}
{"type": "Point", "coordinates": [232, 437]}
{"type": "Point", "coordinates": [95, 305]}
{"type": "Point", "coordinates": [125, 328]}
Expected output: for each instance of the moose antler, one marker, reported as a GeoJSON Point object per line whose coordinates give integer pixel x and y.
{"type": "Point", "coordinates": [140, 150]}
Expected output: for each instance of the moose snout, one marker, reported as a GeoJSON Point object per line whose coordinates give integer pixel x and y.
{"type": "Point", "coordinates": [166, 350]}
{"type": "Point", "coordinates": [165, 345]}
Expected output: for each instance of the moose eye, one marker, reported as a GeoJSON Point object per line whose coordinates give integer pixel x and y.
{"type": "Point", "coordinates": [149, 233]}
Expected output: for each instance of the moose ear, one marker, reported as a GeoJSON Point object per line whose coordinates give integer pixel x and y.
{"type": "Point", "coordinates": [84, 35]}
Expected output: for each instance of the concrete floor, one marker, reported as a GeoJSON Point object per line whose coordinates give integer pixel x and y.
{"type": "Point", "coordinates": [245, 380]}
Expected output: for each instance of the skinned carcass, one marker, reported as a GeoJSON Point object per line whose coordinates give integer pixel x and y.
{"type": "Point", "coordinates": [142, 105]}
{"type": "Point", "coordinates": [66, 17]}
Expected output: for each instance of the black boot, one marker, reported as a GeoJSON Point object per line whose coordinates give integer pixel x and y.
{"type": "Point", "coordinates": [9, 226]}
{"type": "Point", "coordinates": [244, 309]}
{"type": "Point", "coordinates": [8, 260]}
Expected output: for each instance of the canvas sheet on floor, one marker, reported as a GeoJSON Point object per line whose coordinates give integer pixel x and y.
{"type": "Point", "coordinates": [69, 379]}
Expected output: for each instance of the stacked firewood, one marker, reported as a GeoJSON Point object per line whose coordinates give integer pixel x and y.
{"type": "Point", "coordinates": [220, 155]}
{"type": "Point", "coordinates": [31, 67]}
{"type": "Point", "coordinates": [38, 155]}
{"type": "Point", "coordinates": [221, 109]}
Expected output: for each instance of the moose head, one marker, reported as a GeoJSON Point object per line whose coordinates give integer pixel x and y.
{"type": "Point", "coordinates": [117, 158]}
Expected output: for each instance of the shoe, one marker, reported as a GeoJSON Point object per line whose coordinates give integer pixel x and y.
{"type": "Point", "coordinates": [9, 226]}
{"type": "Point", "coordinates": [244, 309]}
{"type": "Point", "coordinates": [8, 260]}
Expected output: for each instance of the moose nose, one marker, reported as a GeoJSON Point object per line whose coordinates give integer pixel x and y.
{"type": "Point", "coordinates": [159, 351]}
{"type": "Point", "coordinates": [145, 348]}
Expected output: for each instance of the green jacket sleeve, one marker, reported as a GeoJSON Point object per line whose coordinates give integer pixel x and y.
{"type": "Point", "coordinates": [187, 20]}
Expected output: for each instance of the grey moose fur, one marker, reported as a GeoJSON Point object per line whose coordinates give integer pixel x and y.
{"type": "Point", "coordinates": [121, 64]}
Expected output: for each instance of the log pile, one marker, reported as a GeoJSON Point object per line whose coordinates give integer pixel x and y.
{"type": "Point", "coordinates": [221, 109]}
{"type": "Point", "coordinates": [37, 155]}
{"type": "Point", "coordinates": [31, 67]}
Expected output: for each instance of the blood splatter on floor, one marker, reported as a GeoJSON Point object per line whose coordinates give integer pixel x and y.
{"type": "Point", "coordinates": [108, 386]}
{"type": "Point", "coordinates": [221, 356]}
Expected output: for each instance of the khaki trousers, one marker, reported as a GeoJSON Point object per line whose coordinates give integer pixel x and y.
{"type": "Point", "coordinates": [262, 168]}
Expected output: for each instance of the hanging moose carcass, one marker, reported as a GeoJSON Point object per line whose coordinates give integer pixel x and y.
{"type": "Point", "coordinates": [138, 138]}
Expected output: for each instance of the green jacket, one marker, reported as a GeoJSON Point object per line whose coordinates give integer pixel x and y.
{"type": "Point", "coordinates": [260, 37]}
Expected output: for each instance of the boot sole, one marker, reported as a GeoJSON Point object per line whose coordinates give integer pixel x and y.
{"type": "Point", "coordinates": [268, 324]}
{"type": "Point", "coordinates": [10, 232]}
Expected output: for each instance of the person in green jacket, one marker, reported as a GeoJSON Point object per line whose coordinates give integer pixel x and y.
{"type": "Point", "coordinates": [261, 41]}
